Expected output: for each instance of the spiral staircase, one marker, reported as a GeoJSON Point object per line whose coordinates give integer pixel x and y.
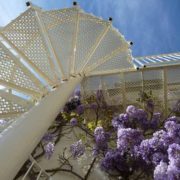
{"type": "Point", "coordinates": [44, 55]}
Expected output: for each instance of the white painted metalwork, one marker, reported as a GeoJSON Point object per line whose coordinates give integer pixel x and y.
{"type": "Point", "coordinates": [21, 137]}
{"type": "Point", "coordinates": [11, 104]}
{"type": "Point", "coordinates": [25, 35]}
{"type": "Point", "coordinates": [12, 71]}
{"type": "Point", "coordinates": [45, 55]}
{"type": "Point", "coordinates": [34, 163]}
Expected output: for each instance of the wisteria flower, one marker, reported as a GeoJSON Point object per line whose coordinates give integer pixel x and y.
{"type": "Point", "coordinates": [48, 137]}
{"type": "Point", "coordinates": [49, 149]}
{"type": "Point", "coordinates": [77, 149]}
{"type": "Point", "coordinates": [101, 140]}
{"type": "Point", "coordinates": [114, 161]}
{"type": "Point", "coordinates": [127, 138]}
{"type": "Point", "coordinates": [73, 122]}
{"type": "Point", "coordinates": [155, 120]}
{"type": "Point", "coordinates": [77, 93]}
{"type": "Point", "coordinates": [131, 111]}
{"type": "Point", "coordinates": [160, 172]}
{"type": "Point", "coordinates": [80, 109]}
{"type": "Point", "coordinates": [173, 172]}
{"type": "Point", "coordinates": [174, 154]}
{"type": "Point", "coordinates": [99, 130]}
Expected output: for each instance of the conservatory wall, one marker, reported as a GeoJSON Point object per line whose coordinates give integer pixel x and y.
{"type": "Point", "coordinates": [124, 88]}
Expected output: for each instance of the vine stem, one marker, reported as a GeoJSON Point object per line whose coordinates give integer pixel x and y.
{"type": "Point", "coordinates": [82, 128]}
{"type": "Point", "coordinates": [89, 170]}
{"type": "Point", "coordinates": [65, 170]}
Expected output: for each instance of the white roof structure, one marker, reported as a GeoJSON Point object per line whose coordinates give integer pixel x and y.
{"type": "Point", "coordinates": [157, 60]}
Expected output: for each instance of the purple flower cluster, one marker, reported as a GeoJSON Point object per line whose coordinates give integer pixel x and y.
{"type": "Point", "coordinates": [77, 149]}
{"type": "Point", "coordinates": [80, 109]}
{"type": "Point", "coordinates": [171, 171]}
{"type": "Point", "coordinates": [136, 118]}
{"type": "Point", "coordinates": [160, 153]}
{"type": "Point", "coordinates": [49, 149]}
{"type": "Point", "coordinates": [114, 160]}
{"type": "Point", "coordinates": [160, 172]}
{"type": "Point", "coordinates": [72, 104]}
{"type": "Point", "coordinates": [48, 138]}
{"type": "Point", "coordinates": [73, 122]}
{"type": "Point", "coordinates": [173, 130]}
{"type": "Point", "coordinates": [127, 138]}
{"type": "Point", "coordinates": [101, 140]}
{"type": "Point", "coordinates": [77, 93]}
{"type": "Point", "coordinates": [163, 151]}
{"type": "Point", "coordinates": [174, 155]}
{"type": "Point", "coordinates": [120, 121]}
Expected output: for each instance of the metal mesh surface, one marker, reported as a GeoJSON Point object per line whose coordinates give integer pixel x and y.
{"type": "Point", "coordinates": [109, 44]}
{"type": "Point", "coordinates": [24, 33]}
{"type": "Point", "coordinates": [61, 25]}
{"type": "Point", "coordinates": [118, 62]}
{"type": "Point", "coordinates": [11, 107]}
{"type": "Point", "coordinates": [11, 72]}
{"type": "Point", "coordinates": [80, 39]}
{"type": "Point", "coordinates": [90, 30]}
{"type": "Point", "coordinates": [153, 81]}
{"type": "Point", "coordinates": [173, 86]}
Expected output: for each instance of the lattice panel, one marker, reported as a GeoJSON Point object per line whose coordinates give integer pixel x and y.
{"type": "Point", "coordinates": [61, 27]}
{"type": "Point", "coordinates": [55, 17]}
{"type": "Point", "coordinates": [153, 81]}
{"type": "Point", "coordinates": [10, 72]}
{"type": "Point", "coordinates": [11, 107]}
{"type": "Point", "coordinates": [113, 86]}
{"type": "Point", "coordinates": [111, 42]}
{"type": "Point", "coordinates": [173, 86]}
{"type": "Point", "coordinates": [120, 61]}
{"type": "Point", "coordinates": [133, 87]}
{"type": "Point", "coordinates": [24, 33]}
{"type": "Point", "coordinates": [90, 30]}
{"type": "Point", "coordinates": [92, 83]}
{"type": "Point", "coordinates": [7, 106]}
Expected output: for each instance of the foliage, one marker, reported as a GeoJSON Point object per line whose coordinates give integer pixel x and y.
{"type": "Point", "coordinates": [136, 144]}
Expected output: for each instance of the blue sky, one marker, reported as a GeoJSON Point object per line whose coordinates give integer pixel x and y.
{"type": "Point", "coordinates": [153, 25]}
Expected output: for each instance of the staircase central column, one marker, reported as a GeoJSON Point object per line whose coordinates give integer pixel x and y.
{"type": "Point", "coordinates": [22, 136]}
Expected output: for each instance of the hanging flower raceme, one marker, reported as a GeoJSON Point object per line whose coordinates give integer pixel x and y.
{"type": "Point", "coordinates": [120, 121]}
{"type": "Point", "coordinates": [101, 140]}
{"type": "Point", "coordinates": [77, 149]}
{"type": "Point", "coordinates": [48, 137]}
{"type": "Point", "coordinates": [160, 172]}
{"type": "Point", "coordinates": [49, 149]}
{"type": "Point", "coordinates": [80, 109]}
{"type": "Point", "coordinates": [113, 160]}
{"type": "Point", "coordinates": [73, 122]}
{"type": "Point", "coordinates": [127, 138]}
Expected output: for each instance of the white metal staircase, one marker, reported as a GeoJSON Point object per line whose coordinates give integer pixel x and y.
{"type": "Point", "coordinates": [44, 55]}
